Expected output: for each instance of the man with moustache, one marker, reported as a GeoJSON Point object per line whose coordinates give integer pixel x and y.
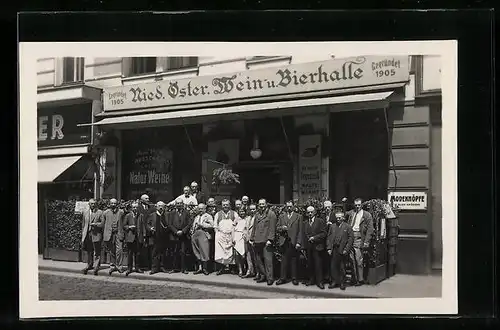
{"type": "Point", "coordinates": [314, 234]}
{"type": "Point", "coordinates": [134, 229]}
{"type": "Point", "coordinates": [289, 228]}
{"type": "Point", "coordinates": [92, 236]}
{"type": "Point", "coordinates": [361, 223]}
{"type": "Point", "coordinates": [146, 253]}
{"type": "Point", "coordinates": [179, 224]}
{"type": "Point", "coordinates": [338, 244]}
{"type": "Point", "coordinates": [158, 225]}
{"type": "Point", "coordinates": [113, 235]}
{"type": "Point", "coordinates": [262, 238]}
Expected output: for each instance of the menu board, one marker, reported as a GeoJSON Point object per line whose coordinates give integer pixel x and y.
{"type": "Point", "coordinates": [150, 172]}
{"type": "Point", "coordinates": [309, 166]}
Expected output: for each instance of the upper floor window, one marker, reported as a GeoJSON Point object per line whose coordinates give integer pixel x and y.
{"type": "Point", "coordinates": [73, 69]}
{"type": "Point", "coordinates": [142, 65]}
{"type": "Point", "coordinates": [176, 63]}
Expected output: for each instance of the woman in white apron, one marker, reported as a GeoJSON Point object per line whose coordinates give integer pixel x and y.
{"type": "Point", "coordinates": [240, 230]}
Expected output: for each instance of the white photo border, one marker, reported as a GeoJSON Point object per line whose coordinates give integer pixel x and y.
{"type": "Point", "coordinates": [31, 307]}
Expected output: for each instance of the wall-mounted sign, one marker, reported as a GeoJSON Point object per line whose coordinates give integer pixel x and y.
{"type": "Point", "coordinates": [59, 125]}
{"type": "Point", "coordinates": [81, 207]}
{"type": "Point", "coordinates": [150, 172]}
{"type": "Point", "coordinates": [333, 74]}
{"type": "Point", "coordinates": [404, 200]}
{"type": "Point", "coordinates": [309, 166]}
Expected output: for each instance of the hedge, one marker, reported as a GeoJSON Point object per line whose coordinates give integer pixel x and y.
{"type": "Point", "coordinates": [64, 226]}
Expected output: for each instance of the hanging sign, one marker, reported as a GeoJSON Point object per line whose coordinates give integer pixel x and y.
{"type": "Point", "coordinates": [298, 78]}
{"type": "Point", "coordinates": [309, 166]}
{"type": "Point", "coordinates": [408, 200]}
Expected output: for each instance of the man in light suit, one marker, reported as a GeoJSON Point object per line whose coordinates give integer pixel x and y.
{"type": "Point", "coordinates": [289, 228]}
{"type": "Point", "coordinates": [113, 235]}
{"type": "Point", "coordinates": [92, 236]}
{"type": "Point", "coordinates": [263, 238]}
{"type": "Point", "coordinates": [361, 222]}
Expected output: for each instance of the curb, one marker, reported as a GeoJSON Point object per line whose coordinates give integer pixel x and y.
{"type": "Point", "coordinates": [298, 291]}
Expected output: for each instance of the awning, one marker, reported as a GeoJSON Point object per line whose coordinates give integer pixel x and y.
{"type": "Point", "coordinates": [247, 111]}
{"type": "Point", "coordinates": [50, 168]}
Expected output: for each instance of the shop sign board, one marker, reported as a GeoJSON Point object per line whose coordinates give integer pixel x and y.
{"type": "Point", "coordinates": [58, 126]}
{"type": "Point", "coordinates": [408, 200]}
{"type": "Point", "coordinates": [310, 166]}
{"type": "Point", "coordinates": [333, 74]}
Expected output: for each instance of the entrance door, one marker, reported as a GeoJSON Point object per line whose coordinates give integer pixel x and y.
{"type": "Point", "coordinates": [261, 182]}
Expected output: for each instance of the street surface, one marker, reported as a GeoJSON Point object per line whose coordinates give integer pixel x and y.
{"type": "Point", "coordinates": [69, 286]}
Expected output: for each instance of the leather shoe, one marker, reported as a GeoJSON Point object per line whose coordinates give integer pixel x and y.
{"type": "Point", "coordinates": [261, 280]}
{"type": "Point", "coordinates": [321, 286]}
{"type": "Point", "coordinates": [206, 272]}
{"type": "Point", "coordinates": [280, 281]}
{"type": "Point", "coordinates": [199, 271]}
{"type": "Point", "coordinates": [270, 282]}
{"type": "Point", "coordinates": [85, 271]}
{"type": "Point", "coordinates": [332, 286]}
{"type": "Point", "coordinates": [184, 271]}
{"type": "Point", "coordinates": [295, 282]}
{"type": "Point", "coordinates": [95, 272]}
{"type": "Point", "coordinates": [128, 272]}
{"type": "Point", "coordinates": [342, 287]}
{"type": "Point", "coordinates": [256, 278]}
{"type": "Point", "coordinates": [153, 272]}
{"type": "Point", "coordinates": [139, 271]}
{"type": "Point", "coordinates": [309, 283]}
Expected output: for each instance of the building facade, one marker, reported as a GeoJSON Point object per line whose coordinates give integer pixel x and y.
{"type": "Point", "coordinates": [291, 127]}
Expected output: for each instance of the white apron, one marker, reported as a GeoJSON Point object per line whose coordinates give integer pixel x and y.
{"type": "Point", "coordinates": [224, 241]}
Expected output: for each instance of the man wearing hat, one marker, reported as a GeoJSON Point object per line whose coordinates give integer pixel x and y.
{"type": "Point", "coordinates": [338, 244]}
{"type": "Point", "coordinates": [197, 194]}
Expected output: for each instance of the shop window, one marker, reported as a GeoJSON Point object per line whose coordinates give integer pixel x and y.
{"type": "Point", "coordinates": [176, 63]}
{"type": "Point", "coordinates": [142, 65]}
{"type": "Point", "coordinates": [73, 69]}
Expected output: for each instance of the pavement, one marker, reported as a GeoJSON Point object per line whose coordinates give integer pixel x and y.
{"type": "Point", "coordinates": [397, 286]}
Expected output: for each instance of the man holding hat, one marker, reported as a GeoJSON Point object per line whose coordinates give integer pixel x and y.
{"type": "Point", "coordinates": [338, 244]}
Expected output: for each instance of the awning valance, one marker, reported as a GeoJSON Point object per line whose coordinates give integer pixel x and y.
{"type": "Point", "coordinates": [50, 168]}
{"type": "Point", "coordinates": [269, 109]}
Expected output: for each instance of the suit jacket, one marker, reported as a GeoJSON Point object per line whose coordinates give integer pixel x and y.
{"type": "Point", "coordinates": [178, 222]}
{"type": "Point", "coordinates": [344, 234]}
{"type": "Point", "coordinates": [264, 227]}
{"type": "Point", "coordinates": [292, 233]}
{"type": "Point", "coordinates": [204, 222]}
{"type": "Point", "coordinates": [365, 226]}
{"type": "Point", "coordinates": [134, 234]}
{"type": "Point", "coordinates": [94, 231]}
{"type": "Point", "coordinates": [153, 221]}
{"type": "Point", "coordinates": [109, 218]}
{"type": "Point", "coordinates": [317, 230]}
{"type": "Point", "coordinates": [250, 219]}
{"type": "Point", "coordinates": [330, 217]}
{"type": "Point", "coordinates": [200, 197]}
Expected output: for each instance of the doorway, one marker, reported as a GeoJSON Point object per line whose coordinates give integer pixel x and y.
{"type": "Point", "coordinates": [258, 182]}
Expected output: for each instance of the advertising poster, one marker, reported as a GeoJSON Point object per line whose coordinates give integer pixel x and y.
{"type": "Point", "coordinates": [309, 166]}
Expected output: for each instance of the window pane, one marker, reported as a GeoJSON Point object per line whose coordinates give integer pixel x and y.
{"type": "Point", "coordinates": [141, 65]}
{"type": "Point", "coordinates": [175, 63]}
{"type": "Point", "coordinates": [68, 69]}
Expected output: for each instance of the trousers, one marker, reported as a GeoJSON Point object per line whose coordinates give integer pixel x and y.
{"type": "Point", "coordinates": [264, 260]}
{"type": "Point", "coordinates": [358, 258]}
{"type": "Point", "coordinates": [337, 266]}
{"type": "Point", "coordinates": [314, 265]}
{"type": "Point", "coordinates": [133, 255]}
{"type": "Point", "coordinates": [290, 260]}
{"type": "Point", "coordinates": [93, 250]}
{"type": "Point", "coordinates": [115, 249]}
{"type": "Point", "coordinates": [177, 251]}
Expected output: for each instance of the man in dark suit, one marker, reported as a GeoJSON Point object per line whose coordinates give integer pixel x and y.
{"type": "Point", "coordinates": [199, 195]}
{"type": "Point", "coordinates": [338, 244]}
{"type": "Point", "coordinates": [179, 224]}
{"type": "Point", "coordinates": [134, 229]}
{"type": "Point", "coordinates": [158, 226]}
{"type": "Point", "coordinates": [263, 238]}
{"type": "Point", "coordinates": [361, 223]}
{"type": "Point", "coordinates": [329, 215]}
{"type": "Point", "coordinates": [92, 236]}
{"type": "Point", "coordinates": [314, 234]}
{"type": "Point", "coordinates": [289, 229]}
{"type": "Point", "coordinates": [146, 250]}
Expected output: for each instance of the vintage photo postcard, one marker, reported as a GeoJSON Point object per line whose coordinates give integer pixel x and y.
{"type": "Point", "coordinates": [238, 178]}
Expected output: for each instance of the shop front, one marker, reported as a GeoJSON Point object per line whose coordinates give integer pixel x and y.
{"type": "Point", "coordinates": [330, 129]}
{"type": "Point", "coordinates": [65, 166]}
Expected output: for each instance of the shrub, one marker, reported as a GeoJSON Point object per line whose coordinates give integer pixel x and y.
{"type": "Point", "coordinates": [64, 226]}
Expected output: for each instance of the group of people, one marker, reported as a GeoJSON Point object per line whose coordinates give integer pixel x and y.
{"type": "Point", "coordinates": [242, 239]}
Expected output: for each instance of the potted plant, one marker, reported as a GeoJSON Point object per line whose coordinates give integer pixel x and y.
{"type": "Point", "coordinates": [377, 256]}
